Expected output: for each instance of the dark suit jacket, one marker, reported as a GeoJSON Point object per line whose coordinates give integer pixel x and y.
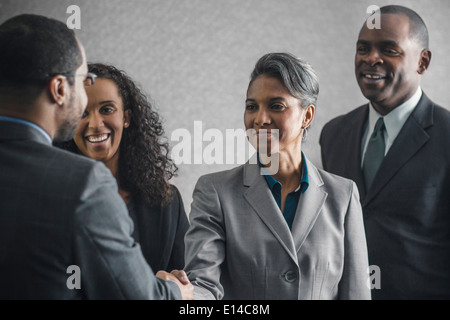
{"type": "Point", "coordinates": [407, 208]}
{"type": "Point", "coordinates": [58, 209]}
{"type": "Point", "coordinates": [160, 231]}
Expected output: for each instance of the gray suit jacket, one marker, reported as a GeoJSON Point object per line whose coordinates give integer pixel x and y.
{"type": "Point", "coordinates": [58, 209]}
{"type": "Point", "coordinates": [407, 208]}
{"type": "Point", "coordinates": [240, 247]}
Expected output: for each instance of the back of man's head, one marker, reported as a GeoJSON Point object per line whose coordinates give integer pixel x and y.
{"type": "Point", "coordinates": [34, 47]}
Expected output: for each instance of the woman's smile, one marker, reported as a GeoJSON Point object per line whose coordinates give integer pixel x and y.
{"type": "Point", "coordinates": [98, 138]}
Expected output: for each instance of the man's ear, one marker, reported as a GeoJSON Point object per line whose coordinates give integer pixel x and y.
{"type": "Point", "coordinates": [424, 61]}
{"type": "Point", "coordinates": [58, 89]}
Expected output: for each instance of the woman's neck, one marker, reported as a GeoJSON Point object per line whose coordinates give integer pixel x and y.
{"type": "Point", "coordinates": [289, 169]}
{"type": "Point", "coordinates": [113, 165]}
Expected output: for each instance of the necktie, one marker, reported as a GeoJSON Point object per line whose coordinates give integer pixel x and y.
{"type": "Point", "coordinates": [374, 153]}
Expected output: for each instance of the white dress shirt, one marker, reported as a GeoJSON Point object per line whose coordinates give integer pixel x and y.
{"type": "Point", "coordinates": [393, 122]}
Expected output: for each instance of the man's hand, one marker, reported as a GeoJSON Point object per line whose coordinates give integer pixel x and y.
{"type": "Point", "coordinates": [181, 279]}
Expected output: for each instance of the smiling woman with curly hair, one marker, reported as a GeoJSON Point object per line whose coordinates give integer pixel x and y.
{"type": "Point", "coordinates": [121, 129]}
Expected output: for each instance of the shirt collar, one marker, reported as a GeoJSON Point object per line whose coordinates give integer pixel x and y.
{"type": "Point", "coordinates": [395, 119]}
{"type": "Point", "coordinates": [304, 182]}
{"type": "Point", "coordinates": [42, 131]}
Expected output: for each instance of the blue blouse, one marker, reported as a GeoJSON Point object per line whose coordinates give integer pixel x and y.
{"type": "Point", "coordinates": [290, 205]}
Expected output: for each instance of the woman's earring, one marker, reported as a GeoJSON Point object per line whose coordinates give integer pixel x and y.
{"type": "Point", "coordinates": [125, 124]}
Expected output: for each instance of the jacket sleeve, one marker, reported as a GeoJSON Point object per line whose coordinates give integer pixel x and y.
{"type": "Point", "coordinates": [205, 241]}
{"type": "Point", "coordinates": [354, 283]}
{"type": "Point", "coordinates": [111, 263]}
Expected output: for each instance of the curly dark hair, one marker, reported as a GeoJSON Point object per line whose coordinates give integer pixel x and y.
{"type": "Point", "coordinates": [145, 167]}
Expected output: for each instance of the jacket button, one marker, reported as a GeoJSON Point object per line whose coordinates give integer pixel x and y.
{"type": "Point", "coordinates": [290, 276]}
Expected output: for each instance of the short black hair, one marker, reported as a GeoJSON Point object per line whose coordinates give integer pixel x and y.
{"type": "Point", "coordinates": [417, 27]}
{"type": "Point", "coordinates": [33, 46]}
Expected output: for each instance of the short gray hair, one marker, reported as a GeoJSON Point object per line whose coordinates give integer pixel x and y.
{"type": "Point", "coordinates": [297, 75]}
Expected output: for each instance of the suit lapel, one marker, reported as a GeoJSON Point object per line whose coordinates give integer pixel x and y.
{"type": "Point", "coordinates": [260, 198]}
{"type": "Point", "coordinates": [352, 148]}
{"type": "Point", "coordinates": [408, 142]}
{"type": "Point", "coordinates": [309, 206]}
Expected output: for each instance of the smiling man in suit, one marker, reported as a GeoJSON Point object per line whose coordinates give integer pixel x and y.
{"type": "Point", "coordinates": [397, 150]}
{"type": "Point", "coordinates": [60, 212]}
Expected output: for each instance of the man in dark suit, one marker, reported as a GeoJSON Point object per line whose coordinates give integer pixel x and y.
{"type": "Point", "coordinates": [400, 163]}
{"type": "Point", "coordinates": [64, 230]}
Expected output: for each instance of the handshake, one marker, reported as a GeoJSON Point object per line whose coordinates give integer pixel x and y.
{"type": "Point", "coordinates": [181, 279]}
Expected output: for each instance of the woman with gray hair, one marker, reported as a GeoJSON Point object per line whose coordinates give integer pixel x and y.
{"type": "Point", "coordinates": [277, 227]}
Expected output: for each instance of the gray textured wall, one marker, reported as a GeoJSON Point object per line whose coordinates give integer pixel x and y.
{"type": "Point", "coordinates": [194, 57]}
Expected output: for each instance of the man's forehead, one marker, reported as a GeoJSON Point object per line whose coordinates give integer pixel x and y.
{"type": "Point", "coordinates": [393, 27]}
